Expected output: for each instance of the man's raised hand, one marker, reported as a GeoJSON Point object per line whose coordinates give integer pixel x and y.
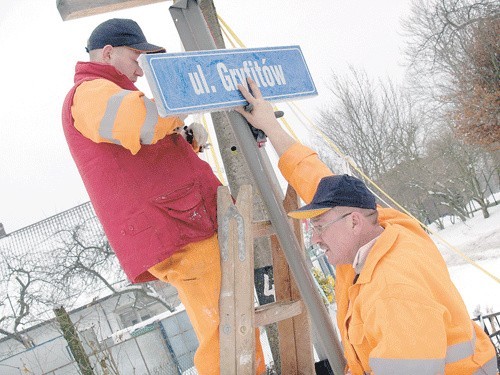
{"type": "Point", "coordinates": [261, 114]}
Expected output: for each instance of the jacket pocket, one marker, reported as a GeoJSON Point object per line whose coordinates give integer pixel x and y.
{"type": "Point", "coordinates": [356, 335]}
{"type": "Point", "coordinates": [359, 350]}
{"type": "Point", "coordinates": [186, 207]}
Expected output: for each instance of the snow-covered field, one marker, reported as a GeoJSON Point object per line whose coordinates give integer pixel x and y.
{"type": "Point", "coordinates": [478, 239]}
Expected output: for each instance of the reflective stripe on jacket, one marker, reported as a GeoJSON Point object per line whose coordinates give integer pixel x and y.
{"type": "Point", "coordinates": [152, 201]}
{"type": "Point", "coordinates": [403, 315]}
{"type": "Point", "coordinates": [105, 112]}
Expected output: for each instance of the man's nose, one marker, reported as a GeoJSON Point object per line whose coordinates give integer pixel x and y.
{"type": "Point", "coordinates": [139, 72]}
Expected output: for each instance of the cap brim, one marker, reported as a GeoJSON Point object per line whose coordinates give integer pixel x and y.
{"type": "Point", "coordinates": [308, 214]}
{"type": "Point", "coordinates": [147, 48]}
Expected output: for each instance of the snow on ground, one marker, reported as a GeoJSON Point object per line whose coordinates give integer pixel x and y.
{"type": "Point", "coordinates": [478, 239]}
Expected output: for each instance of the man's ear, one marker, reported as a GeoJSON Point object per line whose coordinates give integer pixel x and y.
{"type": "Point", "coordinates": [107, 51]}
{"type": "Point", "coordinates": [356, 221]}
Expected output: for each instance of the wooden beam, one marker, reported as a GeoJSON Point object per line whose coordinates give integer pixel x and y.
{"type": "Point", "coordinates": [262, 228]}
{"type": "Point", "coordinates": [277, 311]}
{"type": "Point", "coordinates": [227, 293]}
{"type": "Point", "coordinates": [236, 302]}
{"type": "Point", "coordinates": [296, 349]}
{"type": "Point", "coordinates": [72, 9]}
{"type": "Point", "coordinates": [244, 281]}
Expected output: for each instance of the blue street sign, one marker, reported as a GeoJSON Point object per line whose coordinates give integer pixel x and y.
{"type": "Point", "coordinates": [203, 81]}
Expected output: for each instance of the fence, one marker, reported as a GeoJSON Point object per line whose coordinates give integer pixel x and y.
{"type": "Point", "coordinates": [164, 347]}
{"type": "Point", "coordinates": [490, 323]}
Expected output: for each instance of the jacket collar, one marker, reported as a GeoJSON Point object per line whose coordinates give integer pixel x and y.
{"type": "Point", "coordinates": [93, 70]}
{"type": "Point", "coordinates": [381, 247]}
{"type": "Point", "coordinates": [362, 254]}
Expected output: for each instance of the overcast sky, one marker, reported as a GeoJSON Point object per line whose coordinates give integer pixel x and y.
{"type": "Point", "coordinates": [37, 175]}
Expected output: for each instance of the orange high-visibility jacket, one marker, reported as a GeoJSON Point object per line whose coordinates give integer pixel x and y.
{"type": "Point", "coordinates": [108, 108]}
{"type": "Point", "coordinates": [403, 315]}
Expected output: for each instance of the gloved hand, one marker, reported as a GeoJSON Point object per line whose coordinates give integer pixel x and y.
{"type": "Point", "coordinates": [195, 134]}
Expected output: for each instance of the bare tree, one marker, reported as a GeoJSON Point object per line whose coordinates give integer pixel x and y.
{"type": "Point", "coordinates": [476, 110]}
{"type": "Point", "coordinates": [445, 179]}
{"type": "Point", "coordinates": [84, 260]}
{"type": "Point", "coordinates": [453, 53]}
{"type": "Point", "coordinates": [382, 128]}
{"type": "Point", "coordinates": [74, 261]}
{"type": "Point", "coordinates": [23, 290]}
{"type": "Point", "coordinates": [377, 125]}
{"type": "Point", "coordinates": [408, 184]}
{"type": "Point", "coordinates": [461, 173]}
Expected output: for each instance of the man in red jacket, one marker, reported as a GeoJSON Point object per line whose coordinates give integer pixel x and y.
{"type": "Point", "coordinates": [155, 198]}
{"type": "Point", "coordinates": [398, 311]}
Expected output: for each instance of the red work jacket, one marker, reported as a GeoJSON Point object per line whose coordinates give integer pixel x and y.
{"type": "Point", "coordinates": [151, 203]}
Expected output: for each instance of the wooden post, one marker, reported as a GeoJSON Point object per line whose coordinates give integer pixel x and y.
{"type": "Point", "coordinates": [237, 334]}
{"type": "Point", "coordinates": [295, 334]}
{"type": "Point", "coordinates": [237, 314]}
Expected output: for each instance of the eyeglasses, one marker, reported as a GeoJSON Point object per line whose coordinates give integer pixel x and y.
{"type": "Point", "coordinates": [319, 229]}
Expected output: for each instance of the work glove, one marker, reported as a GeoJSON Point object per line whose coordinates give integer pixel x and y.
{"type": "Point", "coordinates": [195, 134]}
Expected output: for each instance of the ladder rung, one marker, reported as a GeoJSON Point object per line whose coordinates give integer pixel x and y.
{"type": "Point", "coordinates": [276, 311]}
{"type": "Point", "coordinates": [262, 228]}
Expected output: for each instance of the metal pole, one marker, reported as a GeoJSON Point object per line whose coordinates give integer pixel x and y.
{"type": "Point", "coordinates": [142, 356]}
{"type": "Point", "coordinates": [195, 35]}
{"type": "Point", "coordinates": [170, 349]}
{"type": "Point", "coordinates": [271, 193]}
{"type": "Point", "coordinates": [238, 175]}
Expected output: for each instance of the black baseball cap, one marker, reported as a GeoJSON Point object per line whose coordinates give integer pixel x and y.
{"type": "Point", "coordinates": [120, 32]}
{"type": "Point", "coordinates": [336, 191]}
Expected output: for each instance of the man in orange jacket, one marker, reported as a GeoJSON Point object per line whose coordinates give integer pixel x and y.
{"type": "Point", "coordinates": [398, 310]}
{"type": "Point", "coordinates": [155, 198]}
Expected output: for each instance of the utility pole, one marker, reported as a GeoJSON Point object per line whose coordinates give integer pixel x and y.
{"type": "Point", "coordinates": [196, 35]}
{"type": "Point", "coordinates": [238, 174]}
{"type": "Point", "coordinates": [235, 165]}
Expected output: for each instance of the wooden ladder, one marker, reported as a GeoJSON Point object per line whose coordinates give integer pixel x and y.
{"type": "Point", "coordinates": [238, 316]}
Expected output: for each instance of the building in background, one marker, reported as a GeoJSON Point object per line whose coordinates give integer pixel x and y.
{"type": "Point", "coordinates": [65, 260]}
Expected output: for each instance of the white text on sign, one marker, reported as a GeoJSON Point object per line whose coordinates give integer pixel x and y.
{"type": "Point", "coordinates": [263, 75]}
